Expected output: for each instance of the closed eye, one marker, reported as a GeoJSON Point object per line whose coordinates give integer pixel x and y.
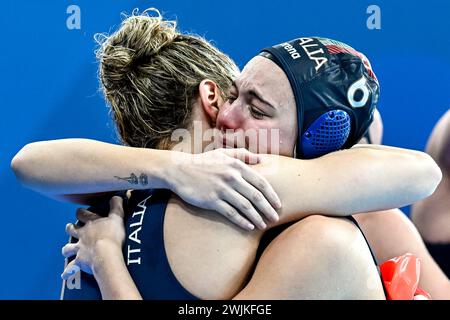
{"type": "Point", "coordinates": [256, 113]}
{"type": "Point", "coordinates": [231, 98]}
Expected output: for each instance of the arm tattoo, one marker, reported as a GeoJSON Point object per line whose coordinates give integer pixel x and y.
{"type": "Point", "coordinates": [133, 179]}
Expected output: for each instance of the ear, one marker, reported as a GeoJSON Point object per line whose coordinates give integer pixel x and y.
{"type": "Point", "coordinates": [210, 98]}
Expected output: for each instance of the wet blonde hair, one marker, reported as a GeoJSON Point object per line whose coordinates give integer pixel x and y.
{"type": "Point", "coordinates": [150, 74]}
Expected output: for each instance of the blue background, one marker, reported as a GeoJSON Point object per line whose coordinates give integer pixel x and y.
{"type": "Point", "coordinates": [49, 90]}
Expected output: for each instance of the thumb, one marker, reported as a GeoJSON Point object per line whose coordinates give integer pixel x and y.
{"type": "Point", "coordinates": [116, 206]}
{"type": "Point", "coordinates": [71, 269]}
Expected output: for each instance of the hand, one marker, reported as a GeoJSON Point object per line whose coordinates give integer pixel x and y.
{"type": "Point", "coordinates": [221, 180]}
{"type": "Point", "coordinates": [97, 235]}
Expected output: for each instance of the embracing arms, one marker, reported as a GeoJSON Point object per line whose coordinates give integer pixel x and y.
{"type": "Point", "coordinates": [364, 178]}
{"type": "Point", "coordinates": [82, 171]}
{"type": "Point", "coordinates": [356, 180]}
{"type": "Point", "coordinates": [57, 168]}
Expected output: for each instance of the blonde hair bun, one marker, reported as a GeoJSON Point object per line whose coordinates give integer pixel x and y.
{"type": "Point", "coordinates": [140, 37]}
{"type": "Point", "coordinates": [150, 74]}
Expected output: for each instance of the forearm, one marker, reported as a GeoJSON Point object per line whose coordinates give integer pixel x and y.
{"type": "Point", "coordinates": [346, 182]}
{"type": "Point", "coordinates": [80, 166]}
{"type": "Point", "coordinates": [112, 275]}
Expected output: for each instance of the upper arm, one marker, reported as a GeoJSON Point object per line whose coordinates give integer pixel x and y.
{"type": "Point", "coordinates": [438, 145]}
{"type": "Point", "coordinates": [362, 179]}
{"type": "Point", "coordinates": [302, 185]}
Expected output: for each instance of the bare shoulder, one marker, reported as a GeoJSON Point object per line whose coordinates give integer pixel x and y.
{"type": "Point", "coordinates": [438, 145]}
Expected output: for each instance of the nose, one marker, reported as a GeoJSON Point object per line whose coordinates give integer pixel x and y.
{"type": "Point", "coordinates": [230, 117]}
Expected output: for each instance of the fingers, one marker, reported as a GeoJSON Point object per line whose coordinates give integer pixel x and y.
{"type": "Point", "coordinates": [231, 214]}
{"type": "Point", "coordinates": [70, 270]}
{"type": "Point", "coordinates": [260, 193]}
{"type": "Point", "coordinates": [237, 201]}
{"type": "Point", "coordinates": [70, 250]}
{"type": "Point", "coordinates": [243, 155]}
{"type": "Point", "coordinates": [71, 230]}
{"type": "Point", "coordinates": [116, 206]}
{"type": "Point", "coordinates": [84, 215]}
{"type": "Point", "coordinates": [257, 199]}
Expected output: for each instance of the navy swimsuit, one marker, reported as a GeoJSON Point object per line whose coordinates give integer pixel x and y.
{"type": "Point", "coordinates": [144, 250]}
{"type": "Point", "coordinates": [441, 254]}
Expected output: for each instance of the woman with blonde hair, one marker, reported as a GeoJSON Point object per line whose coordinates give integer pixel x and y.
{"type": "Point", "coordinates": [158, 80]}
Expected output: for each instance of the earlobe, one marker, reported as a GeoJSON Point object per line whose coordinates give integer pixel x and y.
{"type": "Point", "coordinates": [210, 98]}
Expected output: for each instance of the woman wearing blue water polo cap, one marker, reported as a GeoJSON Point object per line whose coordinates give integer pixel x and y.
{"type": "Point", "coordinates": [174, 250]}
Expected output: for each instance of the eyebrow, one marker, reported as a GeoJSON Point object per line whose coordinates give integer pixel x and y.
{"type": "Point", "coordinates": [255, 93]}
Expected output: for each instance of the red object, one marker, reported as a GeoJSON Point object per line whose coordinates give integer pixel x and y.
{"type": "Point", "coordinates": [401, 278]}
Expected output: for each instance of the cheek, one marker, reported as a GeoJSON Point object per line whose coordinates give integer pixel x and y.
{"type": "Point", "coordinates": [287, 136]}
{"type": "Point", "coordinates": [269, 135]}
{"type": "Point", "coordinates": [250, 123]}
{"type": "Point", "coordinates": [291, 132]}
{"type": "Point", "coordinates": [288, 140]}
